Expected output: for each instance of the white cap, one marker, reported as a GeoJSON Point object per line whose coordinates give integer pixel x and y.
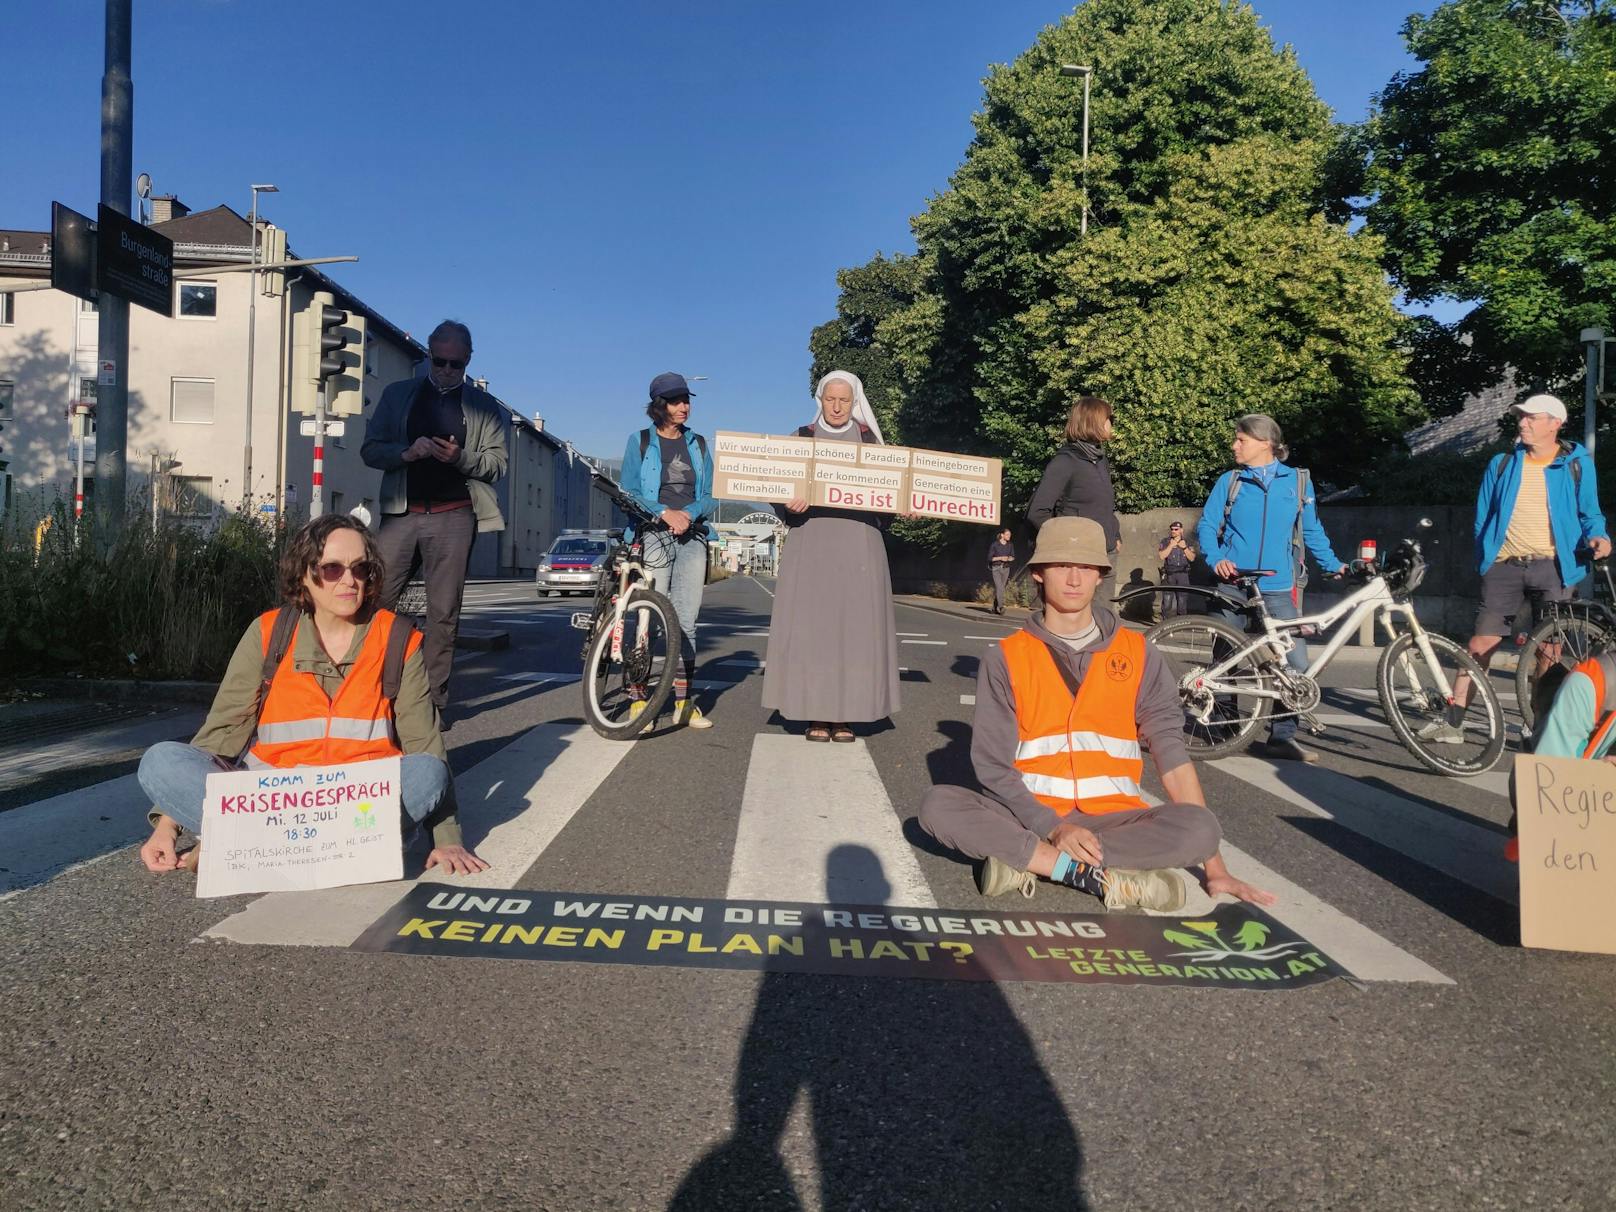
{"type": "Point", "coordinates": [1546, 404]}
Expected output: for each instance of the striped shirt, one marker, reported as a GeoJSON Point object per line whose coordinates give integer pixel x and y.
{"type": "Point", "coordinates": [1529, 535]}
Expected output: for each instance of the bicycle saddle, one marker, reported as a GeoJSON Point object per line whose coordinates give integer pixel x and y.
{"type": "Point", "coordinates": [1244, 576]}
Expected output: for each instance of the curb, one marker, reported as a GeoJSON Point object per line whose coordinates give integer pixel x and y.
{"type": "Point", "coordinates": [119, 689]}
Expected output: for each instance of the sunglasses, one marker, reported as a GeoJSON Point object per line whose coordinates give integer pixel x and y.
{"type": "Point", "coordinates": [331, 571]}
{"type": "Point", "coordinates": [451, 363]}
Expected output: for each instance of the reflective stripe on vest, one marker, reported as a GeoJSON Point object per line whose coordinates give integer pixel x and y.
{"type": "Point", "coordinates": [300, 726]}
{"type": "Point", "coordinates": [1083, 751]}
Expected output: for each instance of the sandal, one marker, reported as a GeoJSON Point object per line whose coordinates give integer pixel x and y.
{"type": "Point", "coordinates": [817, 732]}
{"type": "Point", "coordinates": [842, 734]}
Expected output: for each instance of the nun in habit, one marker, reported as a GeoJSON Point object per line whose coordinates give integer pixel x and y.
{"type": "Point", "coordinates": [832, 657]}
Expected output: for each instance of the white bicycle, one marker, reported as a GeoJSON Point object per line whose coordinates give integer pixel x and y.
{"type": "Point", "coordinates": [1230, 683]}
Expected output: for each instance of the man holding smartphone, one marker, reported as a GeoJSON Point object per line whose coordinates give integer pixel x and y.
{"type": "Point", "coordinates": [439, 443]}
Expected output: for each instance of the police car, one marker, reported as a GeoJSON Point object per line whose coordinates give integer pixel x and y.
{"type": "Point", "coordinates": [574, 563]}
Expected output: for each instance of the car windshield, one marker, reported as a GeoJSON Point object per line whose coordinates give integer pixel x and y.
{"type": "Point", "coordinates": [578, 547]}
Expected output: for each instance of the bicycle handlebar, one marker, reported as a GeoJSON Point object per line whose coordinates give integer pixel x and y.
{"type": "Point", "coordinates": [614, 492]}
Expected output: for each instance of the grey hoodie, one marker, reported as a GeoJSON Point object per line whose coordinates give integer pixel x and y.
{"type": "Point", "coordinates": [994, 736]}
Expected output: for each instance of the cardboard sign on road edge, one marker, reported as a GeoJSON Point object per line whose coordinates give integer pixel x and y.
{"type": "Point", "coordinates": [1566, 809]}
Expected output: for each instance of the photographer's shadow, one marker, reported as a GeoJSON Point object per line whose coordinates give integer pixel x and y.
{"type": "Point", "coordinates": [921, 1093]}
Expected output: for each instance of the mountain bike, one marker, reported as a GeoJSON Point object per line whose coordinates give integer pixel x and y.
{"type": "Point", "coordinates": [1573, 631]}
{"type": "Point", "coordinates": [1231, 683]}
{"type": "Point", "coordinates": [631, 644]}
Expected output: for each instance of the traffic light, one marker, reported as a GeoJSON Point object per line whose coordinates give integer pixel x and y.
{"type": "Point", "coordinates": [329, 348]}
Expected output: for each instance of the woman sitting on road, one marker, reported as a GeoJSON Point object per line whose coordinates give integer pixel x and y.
{"type": "Point", "coordinates": [331, 675]}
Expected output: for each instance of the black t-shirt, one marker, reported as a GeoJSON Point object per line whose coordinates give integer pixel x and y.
{"type": "Point", "coordinates": [435, 414]}
{"type": "Point", "coordinates": [1000, 549]}
{"type": "Point", "coordinates": [678, 489]}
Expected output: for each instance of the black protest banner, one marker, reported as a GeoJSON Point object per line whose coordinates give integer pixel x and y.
{"type": "Point", "coordinates": [1235, 946]}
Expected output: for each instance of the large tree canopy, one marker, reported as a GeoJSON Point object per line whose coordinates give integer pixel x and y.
{"type": "Point", "coordinates": [1210, 282]}
{"type": "Point", "coordinates": [1487, 174]}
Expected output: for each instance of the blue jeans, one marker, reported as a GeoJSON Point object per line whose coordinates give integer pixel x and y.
{"type": "Point", "coordinates": [174, 776]}
{"type": "Point", "coordinates": [1280, 607]}
{"type": "Point", "coordinates": [678, 569]}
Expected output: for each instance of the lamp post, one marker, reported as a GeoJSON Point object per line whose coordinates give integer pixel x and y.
{"type": "Point", "coordinates": [252, 325]}
{"type": "Point", "coordinates": [1087, 72]}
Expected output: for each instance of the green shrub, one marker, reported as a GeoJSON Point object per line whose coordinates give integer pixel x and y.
{"type": "Point", "coordinates": [169, 601]}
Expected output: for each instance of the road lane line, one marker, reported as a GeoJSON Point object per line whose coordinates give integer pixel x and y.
{"type": "Point", "coordinates": [761, 586]}
{"type": "Point", "coordinates": [1357, 948]}
{"type": "Point", "coordinates": [571, 762]}
{"type": "Point", "coordinates": [803, 801]}
{"type": "Point", "coordinates": [994, 638]}
{"type": "Point", "coordinates": [916, 634]}
{"type": "Point", "coordinates": [922, 641]}
{"type": "Point", "coordinates": [967, 700]}
{"type": "Point", "coordinates": [1469, 853]}
{"type": "Point", "coordinates": [43, 839]}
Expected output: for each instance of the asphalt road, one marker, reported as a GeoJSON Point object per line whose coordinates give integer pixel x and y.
{"type": "Point", "coordinates": [161, 1051]}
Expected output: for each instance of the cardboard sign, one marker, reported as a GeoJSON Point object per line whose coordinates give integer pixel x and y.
{"type": "Point", "coordinates": [850, 475]}
{"type": "Point", "coordinates": [1233, 947]}
{"type": "Point", "coordinates": [308, 827]}
{"type": "Point", "coordinates": [1566, 809]}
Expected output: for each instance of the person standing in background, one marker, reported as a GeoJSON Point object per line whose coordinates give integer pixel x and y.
{"type": "Point", "coordinates": [1001, 555]}
{"type": "Point", "coordinates": [1176, 556]}
{"type": "Point", "coordinates": [1077, 481]}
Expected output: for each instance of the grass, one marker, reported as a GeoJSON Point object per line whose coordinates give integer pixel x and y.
{"type": "Point", "coordinates": [164, 601]}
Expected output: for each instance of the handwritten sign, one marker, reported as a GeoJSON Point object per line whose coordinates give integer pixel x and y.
{"type": "Point", "coordinates": [1567, 814]}
{"type": "Point", "coordinates": [848, 475]}
{"type": "Point", "coordinates": [308, 827]}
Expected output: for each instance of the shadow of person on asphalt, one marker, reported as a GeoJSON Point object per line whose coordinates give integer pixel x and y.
{"type": "Point", "coordinates": [920, 1093]}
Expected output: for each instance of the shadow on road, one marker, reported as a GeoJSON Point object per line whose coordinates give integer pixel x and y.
{"type": "Point", "coordinates": [921, 1094]}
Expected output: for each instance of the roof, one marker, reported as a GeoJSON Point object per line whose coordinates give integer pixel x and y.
{"type": "Point", "coordinates": [220, 227]}
{"type": "Point", "coordinates": [1474, 427]}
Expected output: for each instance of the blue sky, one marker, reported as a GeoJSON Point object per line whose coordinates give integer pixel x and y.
{"type": "Point", "coordinates": [602, 191]}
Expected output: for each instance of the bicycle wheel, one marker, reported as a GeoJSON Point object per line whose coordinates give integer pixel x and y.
{"type": "Point", "coordinates": [642, 670]}
{"type": "Point", "coordinates": [1417, 708]}
{"type": "Point", "coordinates": [1218, 723]}
{"type": "Point", "coordinates": [1578, 636]}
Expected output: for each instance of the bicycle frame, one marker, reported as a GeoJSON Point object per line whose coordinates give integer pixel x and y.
{"type": "Point", "coordinates": [625, 559]}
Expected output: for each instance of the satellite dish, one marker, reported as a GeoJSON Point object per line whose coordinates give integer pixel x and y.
{"type": "Point", "coordinates": [143, 185]}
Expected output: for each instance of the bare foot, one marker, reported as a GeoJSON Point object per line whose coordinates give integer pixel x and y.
{"type": "Point", "coordinates": [190, 859]}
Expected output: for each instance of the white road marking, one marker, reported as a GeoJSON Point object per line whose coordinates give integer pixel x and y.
{"type": "Point", "coordinates": [761, 586]}
{"type": "Point", "coordinates": [922, 641]}
{"type": "Point", "coordinates": [994, 638]}
{"type": "Point", "coordinates": [570, 761]}
{"type": "Point", "coordinates": [1344, 939]}
{"type": "Point", "coordinates": [967, 700]}
{"type": "Point", "coordinates": [920, 634]}
{"type": "Point", "coordinates": [1469, 853]}
{"type": "Point", "coordinates": [804, 802]}
{"type": "Point", "coordinates": [43, 839]}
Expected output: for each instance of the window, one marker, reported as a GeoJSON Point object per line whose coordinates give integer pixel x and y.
{"type": "Point", "coordinates": [88, 389]}
{"type": "Point", "coordinates": [8, 391]}
{"type": "Point", "coordinates": [193, 496]}
{"type": "Point", "coordinates": [191, 401]}
{"type": "Point", "coordinates": [199, 300]}
{"type": "Point", "coordinates": [8, 308]}
{"type": "Point", "coordinates": [370, 357]}
{"type": "Point", "coordinates": [89, 305]}
{"type": "Point", "coordinates": [336, 502]}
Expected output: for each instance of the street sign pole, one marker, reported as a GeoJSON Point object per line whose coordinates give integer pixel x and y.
{"type": "Point", "coordinates": [112, 401]}
{"type": "Point", "coordinates": [317, 493]}
{"type": "Point", "coordinates": [1593, 340]}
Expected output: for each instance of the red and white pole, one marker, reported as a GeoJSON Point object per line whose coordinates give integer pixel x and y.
{"type": "Point", "coordinates": [317, 493]}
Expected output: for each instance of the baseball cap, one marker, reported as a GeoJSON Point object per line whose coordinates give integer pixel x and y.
{"type": "Point", "coordinates": [667, 385]}
{"type": "Point", "coordinates": [1541, 403]}
{"type": "Point", "coordinates": [1070, 541]}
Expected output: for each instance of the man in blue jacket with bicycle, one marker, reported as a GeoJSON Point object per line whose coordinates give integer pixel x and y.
{"type": "Point", "coordinates": [1539, 503]}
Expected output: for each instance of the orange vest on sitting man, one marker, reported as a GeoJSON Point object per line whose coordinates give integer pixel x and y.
{"type": "Point", "coordinates": [1078, 751]}
{"type": "Point", "coordinates": [300, 726]}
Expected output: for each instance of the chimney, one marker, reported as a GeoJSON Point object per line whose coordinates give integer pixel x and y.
{"type": "Point", "coordinates": [168, 207]}
{"type": "Point", "coordinates": [538, 422]}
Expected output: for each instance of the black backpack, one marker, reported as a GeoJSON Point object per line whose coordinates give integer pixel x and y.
{"type": "Point", "coordinates": [645, 443]}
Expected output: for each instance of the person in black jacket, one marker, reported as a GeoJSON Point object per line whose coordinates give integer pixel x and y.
{"type": "Point", "coordinates": [1077, 482]}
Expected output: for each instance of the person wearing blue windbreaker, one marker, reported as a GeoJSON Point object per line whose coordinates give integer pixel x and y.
{"type": "Point", "coordinates": [1539, 503]}
{"type": "Point", "coordinates": [1262, 515]}
{"type": "Point", "coordinates": [668, 470]}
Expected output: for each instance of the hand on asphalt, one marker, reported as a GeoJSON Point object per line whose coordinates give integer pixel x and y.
{"type": "Point", "coordinates": [1071, 838]}
{"type": "Point", "coordinates": [1240, 890]}
{"type": "Point", "coordinates": [455, 860]}
{"type": "Point", "coordinates": [159, 851]}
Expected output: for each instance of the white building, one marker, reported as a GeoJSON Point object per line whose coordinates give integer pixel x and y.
{"type": "Point", "coordinates": [189, 400]}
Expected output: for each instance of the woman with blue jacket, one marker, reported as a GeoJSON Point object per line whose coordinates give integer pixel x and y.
{"type": "Point", "coordinates": [666, 468]}
{"type": "Point", "coordinates": [1261, 515]}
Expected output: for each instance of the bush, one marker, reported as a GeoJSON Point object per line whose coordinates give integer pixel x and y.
{"type": "Point", "coordinates": [169, 601]}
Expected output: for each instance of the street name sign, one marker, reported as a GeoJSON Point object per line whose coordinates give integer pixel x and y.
{"type": "Point", "coordinates": [134, 262]}
{"type": "Point", "coordinates": [72, 252]}
{"type": "Point", "coordinates": [1566, 809]}
{"type": "Point", "coordinates": [302, 828]}
{"type": "Point", "coordinates": [853, 475]}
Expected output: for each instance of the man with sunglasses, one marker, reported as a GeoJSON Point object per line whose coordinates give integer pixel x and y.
{"type": "Point", "coordinates": [439, 442]}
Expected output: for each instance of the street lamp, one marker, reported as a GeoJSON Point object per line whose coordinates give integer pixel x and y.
{"type": "Point", "coordinates": [1087, 72]}
{"type": "Point", "coordinates": [252, 324]}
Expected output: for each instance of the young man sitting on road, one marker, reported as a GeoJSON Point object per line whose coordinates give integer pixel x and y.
{"type": "Point", "coordinates": [1062, 709]}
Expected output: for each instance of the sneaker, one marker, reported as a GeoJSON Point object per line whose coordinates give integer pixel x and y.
{"type": "Point", "coordinates": [1440, 732]}
{"type": "Point", "coordinates": [1285, 751]}
{"type": "Point", "coordinates": [995, 878]}
{"type": "Point", "coordinates": [1162, 891]}
{"type": "Point", "coordinates": [694, 718]}
{"type": "Point", "coordinates": [636, 709]}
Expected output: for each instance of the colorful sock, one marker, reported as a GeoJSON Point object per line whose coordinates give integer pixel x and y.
{"type": "Point", "coordinates": [1074, 873]}
{"type": "Point", "coordinates": [681, 689]}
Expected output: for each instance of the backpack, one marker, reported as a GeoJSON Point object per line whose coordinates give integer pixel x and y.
{"type": "Point", "coordinates": [645, 443]}
{"type": "Point", "coordinates": [280, 640]}
{"type": "Point", "coordinates": [1298, 544]}
{"type": "Point", "coordinates": [1603, 676]}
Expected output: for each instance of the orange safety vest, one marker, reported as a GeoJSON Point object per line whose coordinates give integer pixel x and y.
{"type": "Point", "coordinates": [1597, 669]}
{"type": "Point", "coordinates": [1078, 751]}
{"type": "Point", "coordinates": [300, 726]}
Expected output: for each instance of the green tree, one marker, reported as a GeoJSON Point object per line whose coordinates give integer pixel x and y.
{"type": "Point", "coordinates": [1485, 174]}
{"type": "Point", "coordinates": [1211, 283]}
